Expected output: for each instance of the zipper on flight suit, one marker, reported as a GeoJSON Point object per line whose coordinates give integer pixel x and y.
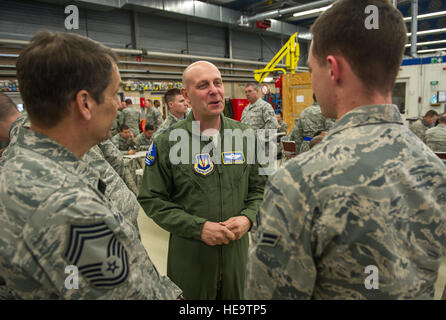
{"type": "Point", "coordinates": [220, 267]}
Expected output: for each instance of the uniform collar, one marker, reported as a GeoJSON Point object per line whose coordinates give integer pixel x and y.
{"type": "Point", "coordinates": [48, 148]}
{"type": "Point", "coordinates": [366, 115]}
{"type": "Point", "coordinates": [190, 118]}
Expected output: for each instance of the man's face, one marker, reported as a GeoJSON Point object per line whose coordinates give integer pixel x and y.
{"type": "Point", "coordinates": [148, 104]}
{"type": "Point", "coordinates": [431, 120]}
{"type": "Point", "coordinates": [278, 117]}
{"type": "Point", "coordinates": [106, 111]}
{"type": "Point", "coordinates": [320, 81]}
{"type": "Point", "coordinates": [125, 134]}
{"type": "Point", "coordinates": [251, 94]}
{"type": "Point", "coordinates": [204, 88]}
{"type": "Point", "coordinates": [178, 106]}
{"type": "Point", "coordinates": [122, 105]}
{"type": "Point", "coordinates": [148, 133]}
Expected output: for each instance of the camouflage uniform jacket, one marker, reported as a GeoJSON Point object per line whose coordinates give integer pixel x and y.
{"type": "Point", "coordinates": [310, 121]}
{"type": "Point", "coordinates": [122, 144]}
{"type": "Point", "coordinates": [419, 127]}
{"type": "Point", "coordinates": [142, 143]}
{"type": "Point", "coordinates": [49, 201]}
{"type": "Point", "coordinates": [370, 193]}
{"type": "Point", "coordinates": [113, 156]}
{"type": "Point", "coordinates": [169, 122]}
{"type": "Point", "coordinates": [131, 117]}
{"type": "Point", "coordinates": [116, 123]}
{"type": "Point", "coordinates": [154, 117]}
{"type": "Point", "coordinates": [436, 138]}
{"type": "Point", "coordinates": [259, 115]}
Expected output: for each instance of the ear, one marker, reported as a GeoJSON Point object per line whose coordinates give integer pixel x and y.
{"type": "Point", "coordinates": [84, 104]}
{"type": "Point", "coordinates": [184, 93]}
{"type": "Point", "coordinates": [334, 68]}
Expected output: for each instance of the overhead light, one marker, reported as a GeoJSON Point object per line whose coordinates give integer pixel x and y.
{"type": "Point", "coordinates": [311, 12]}
{"type": "Point", "coordinates": [428, 32]}
{"type": "Point", "coordinates": [431, 50]}
{"type": "Point", "coordinates": [268, 79]}
{"type": "Point", "coordinates": [427, 43]}
{"type": "Point", "coordinates": [427, 16]}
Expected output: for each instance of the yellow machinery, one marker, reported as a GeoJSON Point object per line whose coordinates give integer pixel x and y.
{"type": "Point", "coordinates": [290, 51]}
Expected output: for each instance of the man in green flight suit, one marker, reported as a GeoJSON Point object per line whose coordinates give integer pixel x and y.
{"type": "Point", "coordinates": [209, 199]}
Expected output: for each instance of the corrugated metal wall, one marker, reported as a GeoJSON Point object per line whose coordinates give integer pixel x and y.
{"type": "Point", "coordinates": [20, 19]}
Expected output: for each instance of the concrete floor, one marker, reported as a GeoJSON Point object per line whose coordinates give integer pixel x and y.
{"type": "Point", "coordinates": [156, 240]}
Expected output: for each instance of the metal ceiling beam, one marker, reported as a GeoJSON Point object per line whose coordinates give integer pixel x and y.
{"type": "Point", "coordinates": [281, 12]}
{"type": "Point", "coordinates": [414, 27]}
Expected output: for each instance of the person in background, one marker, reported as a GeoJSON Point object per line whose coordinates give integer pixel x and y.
{"type": "Point", "coordinates": [281, 133]}
{"type": "Point", "coordinates": [310, 121]}
{"type": "Point", "coordinates": [125, 140]}
{"type": "Point", "coordinates": [8, 114]}
{"type": "Point", "coordinates": [361, 215]}
{"type": "Point", "coordinates": [131, 117]}
{"type": "Point", "coordinates": [118, 120]}
{"type": "Point", "coordinates": [153, 114]}
{"type": "Point", "coordinates": [144, 139]}
{"type": "Point", "coordinates": [435, 137]}
{"type": "Point", "coordinates": [177, 109]}
{"type": "Point", "coordinates": [420, 126]}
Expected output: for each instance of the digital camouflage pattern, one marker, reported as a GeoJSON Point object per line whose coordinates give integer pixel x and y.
{"type": "Point", "coordinates": [259, 115]}
{"type": "Point", "coordinates": [124, 145]}
{"type": "Point", "coordinates": [142, 143]}
{"type": "Point", "coordinates": [47, 197]}
{"type": "Point", "coordinates": [310, 121]}
{"type": "Point", "coordinates": [154, 117]}
{"type": "Point", "coordinates": [113, 156]}
{"type": "Point", "coordinates": [131, 117]}
{"type": "Point", "coordinates": [436, 138]}
{"type": "Point", "coordinates": [283, 127]}
{"type": "Point", "coordinates": [419, 127]}
{"type": "Point", "coordinates": [116, 123]}
{"type": "Point", "coordinates": [169, 122]}
{"type": "Point", "coordinates": [370, 193]}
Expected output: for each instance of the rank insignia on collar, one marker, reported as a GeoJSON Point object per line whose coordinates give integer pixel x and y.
{"type": "Point", "coordinates": [151, 155]}
{"type": "Point", "coordinates": [233, 157]}
{"type": "Point", "coordinates": [203, 164]}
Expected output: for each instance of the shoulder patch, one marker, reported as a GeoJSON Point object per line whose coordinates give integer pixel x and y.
{"type": "Point", "coordinates": [268, 239]}
{"type": "Point", "coordinates": [98, 254]}
{"type": "Point", "coordinates": [151, 155]}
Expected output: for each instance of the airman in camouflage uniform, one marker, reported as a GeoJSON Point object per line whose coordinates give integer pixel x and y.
{"type": "Point", "coordinates": [259, 114]}
{"type": "Point", "coordinates": [124, 145]}
{"type": "Point", "coordinates": [131, 118]}
{"type": "Point", "coordinates": [118, 120]}
{"type": "Point", "coordinates": [50, 197]}
{"type": "Point", "coordinates": [362, 214]}
{"type": "Point", "coordinates": [177, 109]}
{"type": "Point", "coordinates": [420, 126]}
{"type": "Point", "coordinates": [436, 137]}
{"type": "Point", "coordinates": [144, 140]}
{"type": "Point", "coordinates": [154, 117]}
{"type": "Point", "coordinates": [305, 127]}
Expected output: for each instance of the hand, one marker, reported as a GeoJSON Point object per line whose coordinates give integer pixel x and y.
{"type": "Point", "coordinates": [132, 136]}
{"type": "Point", "coordinates": [131, 152]}
{"type": "Point", "coordinates": [238, 225]}
{"type": "Point", "coordinates": [214, 233]}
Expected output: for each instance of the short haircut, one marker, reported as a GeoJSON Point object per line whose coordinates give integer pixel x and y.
{"type": "Point", "coordinates": [149, 127]}
{"type": "Point", "coordinates": [442, 118]}
{"type": "Point", "coordinates": [149, 100]}
{"type": "Point", "coordinates": [128, 102]}
{"type": "Point", "coordinates": [54, 67]}
{"type": "Point", "coordinates": [374, 55]}
{"type": "Point", "coordinates": [314, 98]}
{"type": "Point", "coordinates": [156, 103]}
{"type": "Point", "coordinates": [281, 114]}
{"type": "Point", "coordinates": [431, 113]}
{"type": "Point", "coordinates": [123, 127]}
{"type": "Point", "coordinates": [252, 84]}
{"type": "Point", "coordinates": [7, 107]}
{"type": "Point", "coordinates": [170, 95]}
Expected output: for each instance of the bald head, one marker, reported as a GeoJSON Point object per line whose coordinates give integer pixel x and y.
{"type": "Point", "coordinates": [196, 68]}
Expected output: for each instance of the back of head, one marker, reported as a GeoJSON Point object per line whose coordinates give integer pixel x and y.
{"type": "Point", "coordinates": [374, 55]}
{"type": "Point", "coordinates": [7, 107]}
{"type": "Point", "coordinates": [442, 118]}
{"type": "Point", "coordinates": [170, 95]}
{"type": "Point", "coordinates": [128, 102]}
{"type": "Point", "coordinates": [431, 113]}
{"type": "Point", "coordinates": [54, 67]}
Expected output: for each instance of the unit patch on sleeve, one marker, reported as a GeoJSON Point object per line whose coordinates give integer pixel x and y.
{"type": "Point", "coordinates": [203, 164]}
{"type": "Point", "coordinates": [151, 155]}
{"type": "Point", "coordinates": [98, 255]}
{"type": "Point", "coordinates": [233, 157]}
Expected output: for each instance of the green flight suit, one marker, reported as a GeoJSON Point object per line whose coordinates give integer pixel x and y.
{"type": "Point", "coordinates": [181, 200]}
